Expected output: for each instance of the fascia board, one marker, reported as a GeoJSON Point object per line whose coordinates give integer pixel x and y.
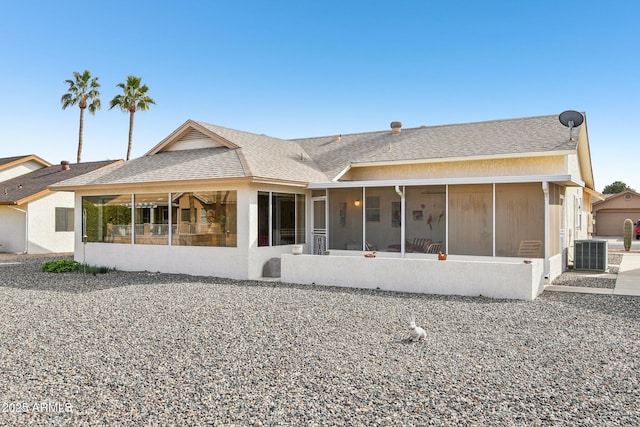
{"type": "Point", "coordinates": [565, 179]}
{"type": "Point", "coordinates": [149, 186]}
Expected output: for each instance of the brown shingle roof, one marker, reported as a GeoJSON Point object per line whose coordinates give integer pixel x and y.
{"type": "Point", "coordinates": [31, 185]}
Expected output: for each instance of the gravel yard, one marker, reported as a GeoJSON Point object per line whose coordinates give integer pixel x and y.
{"type": "Point", "coordinates": [592, 279]}
{"type": "Point", "coordinates": [158, 349]}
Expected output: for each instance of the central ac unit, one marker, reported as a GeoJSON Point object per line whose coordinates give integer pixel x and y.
{"type": "Point", "coordinates": [590, 255]}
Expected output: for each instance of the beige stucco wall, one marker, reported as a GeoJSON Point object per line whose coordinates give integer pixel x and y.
{"type": "Point", "coordinates": [544, 165]}
{"type": "Point", "coordinates": [43, 237]}
{"type": "Point", "coordinates": [573, 166]}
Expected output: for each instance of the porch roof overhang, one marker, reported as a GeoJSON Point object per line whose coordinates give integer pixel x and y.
{"type": "Point", "coordinates": [594, 193]}
{"type": "Point", "coordinates": [567, 180]}
{"type": "Point", "coordinates": [191, 183]}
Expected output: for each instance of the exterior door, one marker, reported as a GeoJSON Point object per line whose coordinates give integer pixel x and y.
{"type": "Point", "coordinates": [319, 225]}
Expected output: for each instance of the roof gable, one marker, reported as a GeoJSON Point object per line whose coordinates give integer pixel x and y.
{"type": "Point", "coordinates": [11, 167]}
{"type": "Point", "coordinates": [8, 162]}
{"type": "Point", "coordinates": [191, 136]}
{"type": "Point", "coordinates": [613, 200]}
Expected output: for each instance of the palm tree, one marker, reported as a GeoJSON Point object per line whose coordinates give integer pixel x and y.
{"type": "Point", "coordinates": [134, 98]}
{"type": "Point", "coordinates": [83, 90]}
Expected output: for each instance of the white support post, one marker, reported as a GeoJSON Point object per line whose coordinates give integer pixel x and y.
{"type": "Point", "coordinates": [545, 190]}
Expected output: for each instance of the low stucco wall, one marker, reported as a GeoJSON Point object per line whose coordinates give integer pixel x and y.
{"type": "Point", "coordinates": [556, 267]}
{"type": "Point", "coordinates": [194, 260]}
{"type": "Point", "coordinates": [508, 278]}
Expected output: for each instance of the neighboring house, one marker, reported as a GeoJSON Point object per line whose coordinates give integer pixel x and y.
{"type": "Point", "coordinates": [216, 201]}
{"type": "Point", "coordinates": [610, 213]}
{"type": "Point", "coordinates": [10, 167]}
{"type": "Point", "coordinates": [34, 219]}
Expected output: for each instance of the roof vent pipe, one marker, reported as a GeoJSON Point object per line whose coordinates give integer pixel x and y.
{"type": "Point", "coordinates": [65, 165]}
{"type": "Point", "coordinates": [396, 127]}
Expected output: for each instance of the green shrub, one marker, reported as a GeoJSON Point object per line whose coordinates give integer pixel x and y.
{"type": "Point", "coordinates": [60, 266]}
{"type": "Point", "coordinates": [66, 265]}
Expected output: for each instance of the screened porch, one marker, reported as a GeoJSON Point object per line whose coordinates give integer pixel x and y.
{"type": "Point", "coordinates": [491, 219]}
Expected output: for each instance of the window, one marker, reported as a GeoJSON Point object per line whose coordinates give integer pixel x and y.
{"type": "Point", "coordinates": [202, 218]}
{"type": "Point", "coordinates": [281, 218]}
{"type": "Point", "coordinates": [152, 219]}
{"type": "Point", "coordinates": [107, 218]}
{"type": "Point", "coordinates": [207, 218]}
{"type": "Point", "coordinates": [64, 219]}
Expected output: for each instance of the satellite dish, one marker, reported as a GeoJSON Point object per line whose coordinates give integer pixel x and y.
{"type": "Point", "coordinates": [571, 119]}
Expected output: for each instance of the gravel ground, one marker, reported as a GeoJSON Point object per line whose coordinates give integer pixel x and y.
{"type": "Point", "coordinates": [591, 279]}
{"type": "Point", "coordinates": [158, 349]}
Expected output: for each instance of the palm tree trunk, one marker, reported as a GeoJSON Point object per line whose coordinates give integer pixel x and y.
{"type": "Point", "coordinates": [131, 113]}
{"type": "Point", "coordinates": [80, 134]}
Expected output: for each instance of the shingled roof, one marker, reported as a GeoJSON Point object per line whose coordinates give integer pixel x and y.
{"type": "Point", "coordinates": [497, 138]}
{"type": "Point", "coordinates": [33, 185]}
{"type": "Point", "coordinates": [225, 154]}
{"type": "Point", "coordinates": [203, 151]}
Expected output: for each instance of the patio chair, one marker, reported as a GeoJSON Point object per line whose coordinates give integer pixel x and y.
{"type": "Point", "coordinates": [530, 249]}
{"type": "Point", "coordinates": [434, 248]}
{"type": "Point", "coordinates": [419, 244]}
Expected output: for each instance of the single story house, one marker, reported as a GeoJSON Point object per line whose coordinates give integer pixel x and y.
{"type": "Point", "coordinates": [209, 200]}
{"type": "Point", "coordinates": [34, 219]}
{"type": "Point", "coordinates": [609, 214]}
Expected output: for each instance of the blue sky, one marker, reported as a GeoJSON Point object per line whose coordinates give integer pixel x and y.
{"type": "Point", "coordinates": [298, 68]}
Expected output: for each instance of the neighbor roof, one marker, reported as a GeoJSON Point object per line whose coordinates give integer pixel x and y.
{"type": "Point", "coordinates": [33, 185]}
{"type": "Point", "coordinates": [610, 197]}
{"type": "Point", "coordinates": [8, 162]}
